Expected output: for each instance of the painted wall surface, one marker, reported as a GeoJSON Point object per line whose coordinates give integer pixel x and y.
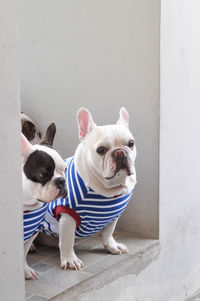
{"type": "Point", "coordinates": [176, 273]}
{"type": "Point", "coordinates": [101, 55]}
{"type": "Point", "coordinates": [11, 245]}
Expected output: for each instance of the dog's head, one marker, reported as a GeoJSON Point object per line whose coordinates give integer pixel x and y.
{"type": "Point", "coordinates": [42, 169]}
{"type": "Point", "coordinates": [109, 150]}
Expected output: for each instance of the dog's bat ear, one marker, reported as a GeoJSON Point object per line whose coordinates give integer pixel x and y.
{"type": "Point", "coordinates": [28, 129]}
{"type": "Point", "coordinates": [85, 122]}
{"type": "Point", "coordinates": [49, 136]}
{"type": "Point", "coordinates": [123, 117]}
{"type": "Point", "coordinates": [25, 146]}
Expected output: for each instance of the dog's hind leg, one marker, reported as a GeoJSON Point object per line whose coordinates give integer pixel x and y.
{"type": "Point", "coordinates": [109, 242]}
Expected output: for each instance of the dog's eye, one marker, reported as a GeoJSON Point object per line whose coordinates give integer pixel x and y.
{"type": "Point", "coordinates": [101, 150]}
{"type": "Point", "coordinates": [43, 175]}
{"type": "Point", "coordinates": [131, 143]}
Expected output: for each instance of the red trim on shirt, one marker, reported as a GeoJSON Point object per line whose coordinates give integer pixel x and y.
{"type": "Point", "coordinates": [69, 211]}
{"type": "Point", "coordinates": [116, 196]}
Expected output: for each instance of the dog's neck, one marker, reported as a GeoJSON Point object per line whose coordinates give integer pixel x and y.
{"type": "Point", "coordinates": [30, 203]}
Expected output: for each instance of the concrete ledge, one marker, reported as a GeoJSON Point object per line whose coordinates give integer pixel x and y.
{"type": "Point", "coordinates": [130, 265]}
{"type": "Point", "coordinates": [100, 267]}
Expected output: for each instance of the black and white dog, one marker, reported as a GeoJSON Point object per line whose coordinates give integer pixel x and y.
{"type": "Point", "coordinates": [42, 181]}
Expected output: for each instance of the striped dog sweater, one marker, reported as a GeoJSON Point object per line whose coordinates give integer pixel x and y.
{"type": "Point", "coordinates": [90, 210]}
{"type": "Point", "coordinates": [33, 220]}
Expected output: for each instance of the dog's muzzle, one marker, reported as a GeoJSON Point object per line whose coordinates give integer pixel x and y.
{"type": "Point", "coordinates": [121, 158]}
{"type": "Point", "coordinates": [60, 183]}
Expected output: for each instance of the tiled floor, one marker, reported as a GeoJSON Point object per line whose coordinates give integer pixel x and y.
{"type": "Point", "coordinates": [53, 280]}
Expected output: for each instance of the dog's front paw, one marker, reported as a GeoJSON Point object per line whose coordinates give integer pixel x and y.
{"type": "Point", "coordinates": [30, 274]}
{"type": "Point", "coordinates": [116, 248]}
{"type": "Point", "coordinates": [71, 261]}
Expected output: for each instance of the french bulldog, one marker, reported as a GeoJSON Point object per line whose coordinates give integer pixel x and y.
{"type": "Point", "coordinates": [100, 179]}
{"type": "Point", "coordinates": [30, 129]}
{"type": "Point", "coordinates": [42, 181]}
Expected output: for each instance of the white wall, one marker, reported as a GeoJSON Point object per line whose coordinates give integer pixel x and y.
{"type": "Point", "coordinates": [101, 55]}
{"type": "Point", "coordinates": [176, 273]}
{"type": "Point", "coordinates": [11, 245]}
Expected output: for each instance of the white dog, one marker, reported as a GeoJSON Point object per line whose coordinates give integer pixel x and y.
{"type": "Point", "coordinates": [101, 178]}
{"type": "Point", "coordinates": [42, 181]}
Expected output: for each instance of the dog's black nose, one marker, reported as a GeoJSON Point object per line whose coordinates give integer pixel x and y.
{"type": "Point", "coordinates": [59, 182]}
{"type": "Point", "coordinates": [119, 153]}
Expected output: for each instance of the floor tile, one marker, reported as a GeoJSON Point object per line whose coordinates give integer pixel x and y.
{"type": "Point", "coordinates": [37, 287]}
{"type": "Point", "coordinates": [89, 244]}
{"type": "Point", "coordinates": [42, 267]}
{"type": "Point", "coordinates": [63, 278]}
{"type": "Point", "coordinates": [94, 268]}
{"type": "Point", "coordinates": [90, 257]}
{"type": "Point", "coordinates": [111, 260]}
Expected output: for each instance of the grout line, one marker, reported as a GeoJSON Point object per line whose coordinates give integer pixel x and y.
{"type": "Point", "coordinates": [29, 297]}
{"type": "Point", "coordinates": [98, 260]}
{"type": "Point", "coordinates": [43, 273]}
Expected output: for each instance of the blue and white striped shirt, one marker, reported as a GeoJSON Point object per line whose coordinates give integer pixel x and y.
{"type": "Point", "coordinates": [33, 220]}
{"type": "Point", "coordinates": [93, 211]}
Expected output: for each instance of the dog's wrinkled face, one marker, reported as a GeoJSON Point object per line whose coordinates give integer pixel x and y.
{"type": "Point", "coordinates": [109, 150]}
{"type": "Point", "coordinates": [112, 152]}
{"type": "Point", "coordinates": [42, 172]}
